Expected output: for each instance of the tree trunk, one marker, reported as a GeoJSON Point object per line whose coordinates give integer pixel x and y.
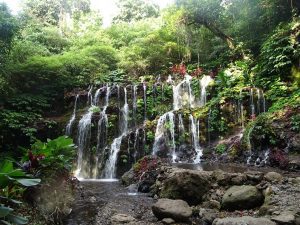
{"type": "Point", "coordinates": [215, 30]}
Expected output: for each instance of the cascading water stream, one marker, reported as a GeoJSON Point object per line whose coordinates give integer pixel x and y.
{"type": "Point", "coordinates": [125, 113]}
{"type": "Point", "coordinates": [72, 119]}
{"type": "Point", "coordinates": [84, 136]}
{"type": "Point", "coordinates": [110, 168]}
{"type": "Point", "coordinates": [204, 82]}
{"type": "Point", "coordinates": [182, 94]}
{"type": "Point", "coordinates": [136, 144]}
{"type": "Point", "coordinates": [258, 92]}
{"type": "Point", "coordinates": [102, 133]}
{"type": "Point", "coordinates": [181, 126]}
{"type": "Point", "coordinates": [165, 134]}
{"type": "Point", "coordinates": [96, 97]}
{"type": "Point", "coordinates": [195, 138]}
{"type": "Point", "coordinates": [90, 96]}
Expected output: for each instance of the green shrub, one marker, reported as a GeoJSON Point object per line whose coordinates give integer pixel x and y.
{"type": "Point", "coordinates": [10, 181]}
{"type": "Point", "coordinates": [221, 148]}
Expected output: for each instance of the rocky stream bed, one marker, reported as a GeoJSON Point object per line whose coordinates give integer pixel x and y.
{"type": "Point", "coordinates": [177, 195]}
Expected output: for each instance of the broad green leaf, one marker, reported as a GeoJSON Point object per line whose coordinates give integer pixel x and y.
{"type": "Point", "coordinates": [3, 181]}
{"type": "Point", "coordinates": [4, 211]}
{"type": "Point", "coordinates": [16, 173]}
{"type": "Point", "coordinates": [5, 222]}
{"type": "Point", "coordinates": [11, 200]}
{"type": "Point", "coordinates": [6, 167]}
{"type": "Point", "coordinates": [18, 220]}
{"type": "Point", "coordinates": [29, 182]}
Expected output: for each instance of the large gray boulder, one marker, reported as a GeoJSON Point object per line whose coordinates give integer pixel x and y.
{"type": "Point", "coordinates": [245, 220]}
{"type": "Point", "coordinates": [273, 177]}
{"type": "Point", "coordinates": [242, 197]}
{"type": "Point", "coordinates": [188, 185]}
{"type": "Point", "coordinates": [178, 210]}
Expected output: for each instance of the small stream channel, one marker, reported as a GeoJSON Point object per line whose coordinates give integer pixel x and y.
{"type": "Point", "coordinates": [98, 200]}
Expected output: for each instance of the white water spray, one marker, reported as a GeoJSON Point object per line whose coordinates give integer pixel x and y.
{"type": "Point", "coordinates": [72, 119]}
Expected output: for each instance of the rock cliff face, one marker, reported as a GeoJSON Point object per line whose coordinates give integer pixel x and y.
{"type": "Point", "coordinates": [181, 137]}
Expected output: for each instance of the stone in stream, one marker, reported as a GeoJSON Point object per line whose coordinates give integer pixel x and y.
{"type": "Point", "coordinates": [273, 177]}
{"type": "Point", "coordinates": [168, 221]}
{"type": "Point", "coordinates": [285, 218]}
{"type": "Point", "coordinates": [208, 215]}
{"type": "Point", "coordinates": [245, 220]}
{"type": "Point", "coordinates": [122, 219]}
{"type": "Point", "coordinates": [178, 210]}
{"type": "Point", "coordinates": [188, 185]}
{"type": "Point", "coordinates": [242, 197]}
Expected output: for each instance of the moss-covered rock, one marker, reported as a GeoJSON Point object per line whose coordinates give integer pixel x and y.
{"type": "Point", "coordinates": [187, 185]}
{"type": "Point", "coordinates": [242, 197]}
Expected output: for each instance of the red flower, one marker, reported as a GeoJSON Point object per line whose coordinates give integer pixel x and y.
{"type": "Point", "coordinates": [34, 159]}
{"type": "Point", "coordinates": [179, 69]}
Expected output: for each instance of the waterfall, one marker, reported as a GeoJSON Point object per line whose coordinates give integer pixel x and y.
{"type": "Point", "coordinates": [125, 113]}
{"type": "Point", "coordinates": [249, 159]}
{"type": "Point", "coordinates": [172, 132]}
{"type": "Point", "coordinates": [136, 143]}
{"type": "Point", "coordinates": [266, 157]}
{"type": "Point", "coordinates": [96, 97]}
{"type": "Point", "coordinates": [102, 133]}
{"type": "Point", "coordinates": [170, 80]}
{"type": "Point", "coordinates": [261, 101]}
{"type": "Point", "coordinates": [134, 104]}
{"type": "Point", "coordinates": [145, 100]}
{"type": "Point", "coordinates": [241, 108]}
{"type": "Point", "coordinates": [195, 139]}
{"type": "Point", "coordinates": [180, 125]}
{"type": "Point", "coordinates": [110, 168]}
{"type": "Point", "coordinates": [72, 119]}
{"type": "Point", "coordinates": [182, 94]}
{"type": "Point", "coordinates": [90, 97]}
{"type": "Point", "coordinates": [204, 82]}
{"type": "Point", "coordinates": [119, 110]}
{"type": "Point", "coordinates": [84, 136]}
{"type": "Point", "coordinates": [258, 100]}
{"type": "Point", "coordinates": [165, 134]}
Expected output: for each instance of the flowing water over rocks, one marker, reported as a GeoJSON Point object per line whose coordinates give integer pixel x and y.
{"type": "Point", "coordinates": [117, 127]}
{"type": "Point", "coordinates": [97, 201]}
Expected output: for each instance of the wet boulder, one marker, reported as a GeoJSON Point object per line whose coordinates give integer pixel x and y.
{"type": "Point", "coordinates": [188, 185]}
{"type": "Point", "coordinates": [243, 220]}
{"type": "Point", "coordinates": [177, 210]}
{"type": "Point", "coordinates": [129, 178]}
{"type": "Point", "coordinates": [273, 177]}
{"type": "Point", "coordinates": [122, 219]}
{"type": "Point", "coordinates": [242, 197]}
{"type": "Point", "coordinates": [208, 215]}
{"type": "Point", "coordinates": [285, 218]}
